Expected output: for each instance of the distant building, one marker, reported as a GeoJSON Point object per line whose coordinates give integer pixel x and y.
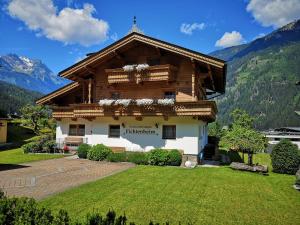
{"type": "Point", "coordinates": [291, 133]}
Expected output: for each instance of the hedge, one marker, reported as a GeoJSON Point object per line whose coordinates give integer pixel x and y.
{"type": "Point", "coordinates": [98, 152]}
{"type": "Point", "coordinates": [27, 211]}
{"type": "Point", "coordinates": [83, 150]}
{"type": "Point", "coordinates": [160, 157]}
{"type": "Point", "coordinates": [285, 157]}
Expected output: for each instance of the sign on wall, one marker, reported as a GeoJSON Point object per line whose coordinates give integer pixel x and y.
{"type": "Point", "coordinates": [140, 130]}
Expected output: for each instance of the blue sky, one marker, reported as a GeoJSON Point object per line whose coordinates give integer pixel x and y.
{"type": "Point", "coordinates": [61, 32]}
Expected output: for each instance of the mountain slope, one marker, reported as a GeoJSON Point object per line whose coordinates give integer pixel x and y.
{"type": "Point", "coordinates": [261, 79]}
{"type": "Point", "coordinates": [12, 98]}
{"type": "Point", "coordinates": [29, 74]}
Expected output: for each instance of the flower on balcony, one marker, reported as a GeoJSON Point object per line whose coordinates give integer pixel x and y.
{"type": "Point", "coordinates": [106, 102]}
{"type": "Point", "coordinates": [166, 101]}
{"type": "Point", "coordinates": [129, 68]}
{"type": "Point", "coordinates": [142, 67]}
{"type": "Point", "coordinates": [144, 101]}
{"type": "Point", "coordinates": [123, 102]}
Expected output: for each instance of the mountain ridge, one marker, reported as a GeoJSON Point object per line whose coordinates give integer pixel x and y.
{"type": "Point", "coordinates": [30, 74]}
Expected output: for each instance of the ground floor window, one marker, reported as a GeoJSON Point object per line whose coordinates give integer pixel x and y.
{"type": "Point", "coordinates": [114, 131]}
{"type": "Point", "coordinates": [76, 130]}
{"type": "Point", "coordinates": [169, 132]}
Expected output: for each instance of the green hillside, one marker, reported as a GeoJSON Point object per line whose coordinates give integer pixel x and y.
{"type": "Point", "coordinates": [261, 79]}
{"type": "Point", "coordinates": [12, 98]}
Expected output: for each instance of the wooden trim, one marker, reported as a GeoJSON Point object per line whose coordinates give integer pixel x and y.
{"type": "Point", "coordinates": [147, 40]}
{"type": "Point", "coordinates": [56, 93]}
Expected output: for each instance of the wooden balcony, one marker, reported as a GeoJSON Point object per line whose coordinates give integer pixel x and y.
{"type": "Point", "coordinates": [204, 110]}
{"type": "Point", "coordinates": [152, 73]}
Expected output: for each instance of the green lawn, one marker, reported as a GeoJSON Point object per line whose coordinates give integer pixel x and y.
{"type": "Point", "coordinates": [201, 195]}
{"type": "Point", "coordinates": [16, 156]}
{"type": "Point", "coordinates": [19, 135]}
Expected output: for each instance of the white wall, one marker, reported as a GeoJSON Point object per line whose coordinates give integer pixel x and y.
{"type": "Point", "coordinates": [187, 133]}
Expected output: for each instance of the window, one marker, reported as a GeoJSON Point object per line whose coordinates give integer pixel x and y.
{"type": "Point", "coordinates": [76, 129]}
{"type": "Point", "coordinates": [114, 131]}
{"type": "Point", "coordinates": [170, 95]}
{"type": "Point", "coordinates": [169, 132]}
{"type": "Point", "coordinates": [115, 95]}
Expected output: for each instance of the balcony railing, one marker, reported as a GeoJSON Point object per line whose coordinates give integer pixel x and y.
{"type": "Point", "coordinates": [152, 73]}
{"type": "Point", "coordinates": [205, 110]}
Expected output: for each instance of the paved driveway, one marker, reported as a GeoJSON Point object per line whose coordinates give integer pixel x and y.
{"type": "Point", "coordinates": [43, 178]}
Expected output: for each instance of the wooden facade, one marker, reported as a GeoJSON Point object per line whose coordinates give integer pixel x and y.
{"type": "Point", "coordinates": [172, 69]}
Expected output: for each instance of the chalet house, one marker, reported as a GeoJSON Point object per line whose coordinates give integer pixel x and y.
{"type": "Point", "coordinates": [137, 94]}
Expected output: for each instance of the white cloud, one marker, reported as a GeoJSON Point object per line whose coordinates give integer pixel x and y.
{"type": "Point", "coordinates": [114, 36]}
{"type": "Point", "coordinates": [230, 39]}
{"type": "Point", "coordinates": [187, 28]}
{"type": "Point", "coordinates": [68, 25]}
{"type": "Point", "coordinates": [274, 13]}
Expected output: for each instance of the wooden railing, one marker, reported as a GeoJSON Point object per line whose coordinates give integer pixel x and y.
{"type": "Point", "coordinates": [152, 73]}
{"type": "Point", "coordinates": [205, 110]}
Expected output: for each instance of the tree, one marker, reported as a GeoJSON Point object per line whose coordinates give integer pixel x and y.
{"type": "Point", "coordinates": [35, 116]}
{"type": "Point", "coordinates": [242, 137]}
{"type": "Point", "coordinates": [215, 130]}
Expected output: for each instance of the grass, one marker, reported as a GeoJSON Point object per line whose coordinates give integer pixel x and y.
{"type": "Point", "coordinates": [19, 135]}
{"type": "Point", "coordinates": [16, 156]}
{"type": "Point", "coordinates": [201, 196]}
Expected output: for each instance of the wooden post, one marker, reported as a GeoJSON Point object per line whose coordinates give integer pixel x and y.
{"type": "Point", "coordinates": [83, 92]}
{"type": "Point", "coordinates": [193, 80]}
{"type": "Point", "coordinates": [90, 90]}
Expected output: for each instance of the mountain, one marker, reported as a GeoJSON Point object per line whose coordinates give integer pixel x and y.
{"type": "Point", "coordinates": [29, 74]}
{"type": "Point", "coordinates": [12, 98]}
{"type": "Point", "coordinates": [261, 78]}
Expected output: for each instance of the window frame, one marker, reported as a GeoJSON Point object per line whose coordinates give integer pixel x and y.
{"type": "Point", "coordinates": [109, 131]}
{"type": "Point", "coordinates": [164, 137]}
{"type": "Point", "coordinates": [77, 127]}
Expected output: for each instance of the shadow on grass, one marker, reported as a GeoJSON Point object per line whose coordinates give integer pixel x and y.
{"type": "Point", "coordinates": [4, 167]}
{"type": "Point", "coordinates": [233, 156]}
{"type": "Point", "coordinates": [17, 135]}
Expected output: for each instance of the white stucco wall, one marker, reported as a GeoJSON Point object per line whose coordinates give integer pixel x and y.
{"type": "Point", "coordinates": [191, 134]}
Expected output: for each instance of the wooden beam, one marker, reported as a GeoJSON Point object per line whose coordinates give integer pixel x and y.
{"type": "Point", "coordinates": [158, 51]}
{"type": "Point", "coordinates": [193, 80]}
{"type": "Point", "coordinates": [91, 118]}
{"type": "Point", "coordinates": [74, 119]}
{"type": "Point", "coordinates": [90, 70]}
{"type": "Point", "coordinates": [210, 76]}
{"type": "Point", "coordinates": [90, 91]}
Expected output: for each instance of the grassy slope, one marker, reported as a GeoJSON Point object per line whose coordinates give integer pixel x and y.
{"type": "Point", "coordinates": [201, 196]}
{"type": "Point", "coordinates": [19, 135]}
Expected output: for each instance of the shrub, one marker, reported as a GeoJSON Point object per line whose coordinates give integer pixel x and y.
{"type": "Point", "coordinates": [140, 158]}
{"type": "Point", "coordinates": [175, 158]}
{"type": "Point", "coordinates": [99, 152]}
{"type": "Point", "coordinates": [285, 157]}
{"type": "Point", "coordinates": [31, 147]}
{"type": "Point", "coordinates": [83, 150]}
{"type": "Point", "coordinates": [49, 145]}
{"type": "Point", "coordinates": [117, 157]}
{"type": "Point", "coordinates": [158, 157]}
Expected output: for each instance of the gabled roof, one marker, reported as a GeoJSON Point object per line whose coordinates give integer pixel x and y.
{"type": "Point", "coordinates": [214, 62]}
{"type": "Point", "coordinates": [56, 93]}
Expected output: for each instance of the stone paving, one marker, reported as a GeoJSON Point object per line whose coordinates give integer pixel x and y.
{"type": "Point", "coordinates": [44, 178]}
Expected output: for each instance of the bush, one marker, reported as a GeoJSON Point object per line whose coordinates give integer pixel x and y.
{"type": "Point", "coordinates": [140, 158]}
{"type": "Point", "coordinates": [285, 157]}
{"type": "Point", "coordinates": [31, 147]}
{"type": "Point", "coordinates": [83, 150]}
{"type": "Point", "coordinates": [26, 211]}
{"type": "Point", "coordinates": [175, 158]}
{"type": "Point", "coordinates": [158, 157]}
{"type": "Point", "coordinates": [49, 146]}
{"type": "Point", "coordinates": [117, 157]}
{"type": "Point", "coordinates": [99, 152]}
